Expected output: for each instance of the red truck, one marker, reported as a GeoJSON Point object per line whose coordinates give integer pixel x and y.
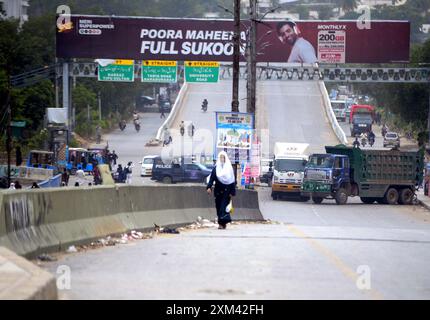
{"type": "Point", "coordinates": [361, 119]}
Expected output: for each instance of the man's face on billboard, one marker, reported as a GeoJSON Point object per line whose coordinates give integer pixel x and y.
{"type": "Point", "coordinates": [287, 35]}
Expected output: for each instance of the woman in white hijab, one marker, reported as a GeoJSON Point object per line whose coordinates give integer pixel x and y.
{"type": "Point", "coordinates": [225, 187]}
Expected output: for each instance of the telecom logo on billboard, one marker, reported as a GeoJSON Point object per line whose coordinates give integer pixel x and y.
{"type": "Point", "coordinates": [201, 71]}
{"type": "Point", "coordinates": [120, 71]}
{"type": "Point", "coordinates": [159, 71]}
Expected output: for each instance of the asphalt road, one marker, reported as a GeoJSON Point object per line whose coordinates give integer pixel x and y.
{"type": "Point", "coordinates": [325, 251]}
{"type": "Point", "coordinates": [313, 252]}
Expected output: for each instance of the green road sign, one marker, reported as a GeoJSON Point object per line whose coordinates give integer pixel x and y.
{"type": "Point", "coordinates": [201, 71]}
{"type": "Point", "coordinates": [121, 71]}
{"type": "Point", "coordinates": [159, 71]}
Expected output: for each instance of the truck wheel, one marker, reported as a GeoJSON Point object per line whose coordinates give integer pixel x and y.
{"type": "Point", "coordinates": [406, 196]}
{"type": "Point", "coordinates": [317, 200]}
{"type": "Point", "coordinates": [341, 196]}
{"type": "Point", "coordinates": [368, 200]}
{"type": "Point", "coordinates": [167, 180]}
{"type": "Point", "coordinates": [274, 196]}
{"type": "Point", "coordinates": [392, 196]}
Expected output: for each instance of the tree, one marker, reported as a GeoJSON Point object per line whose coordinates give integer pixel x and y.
{"type": "Point", "coordinates": [347, 5]}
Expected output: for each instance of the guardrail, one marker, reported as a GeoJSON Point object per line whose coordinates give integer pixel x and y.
{"type": "Point", "coordinates": [173, 112]}
{"type": "Point", "coordinates": [39, 221]}
{"type": "Point", "coordinates": [340, 134]}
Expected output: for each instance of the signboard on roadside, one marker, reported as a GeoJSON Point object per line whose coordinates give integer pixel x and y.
{"type": "Point", "coordinates": [234, 135]}
{"type": "Point", "coordinates": [120, 71]}
{"type": "Point", "coordinates": [159, 71]}
{"type": "Point", "coordinates": [201, 71]}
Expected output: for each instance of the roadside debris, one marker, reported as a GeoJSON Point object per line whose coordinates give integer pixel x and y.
{"type": "Point", "coordinates": [46, 257]}
{"type": "Point", "coordinates": [159, 229]}
{"type": "Point", "coordinates": [71, 249]}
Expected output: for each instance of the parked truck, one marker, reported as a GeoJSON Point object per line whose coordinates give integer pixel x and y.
{"type": "Point", "coordinates": [383, 176]}
{"type": "Point", "coordinates": [288, 167]}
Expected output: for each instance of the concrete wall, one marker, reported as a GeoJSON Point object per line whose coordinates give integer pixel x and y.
{"type": "Point", "coordinates": [37, 221]}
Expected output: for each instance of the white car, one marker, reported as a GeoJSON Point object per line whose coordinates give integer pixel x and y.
{"type": "Point", "coordinates": [146, 165]}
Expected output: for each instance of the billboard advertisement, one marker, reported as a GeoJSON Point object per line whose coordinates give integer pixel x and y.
{"type": "Point", "coordinates": [211, 40]}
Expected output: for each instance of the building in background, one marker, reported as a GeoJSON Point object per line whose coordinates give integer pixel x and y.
{"type": "Point", "coordinates": [15, 9]}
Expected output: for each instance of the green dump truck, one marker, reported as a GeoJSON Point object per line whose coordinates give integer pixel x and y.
{"type": "Point", "coordinates": [384, 176]}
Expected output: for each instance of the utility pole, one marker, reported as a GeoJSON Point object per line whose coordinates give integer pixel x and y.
{"type": "Point", "coordinates": [252, 58]}
{"type": "Point", "coordinates": [8, 132]}
{"type": "Point", "coordinates": [100, 106]}
{"type": "Point", "coordinates": [236, 56]}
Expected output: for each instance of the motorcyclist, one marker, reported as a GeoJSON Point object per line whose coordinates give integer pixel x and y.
{"type": "Point", "coordinates": [363, 139]}
{"type": "Point", "coordinates": [135, 115]}
{"type": "Point", "coordinates": [182, 128]}
{"type": "Point", "coordinates": [191, 130]}
{"type": "Point", "coordinates": [122, 124]}
{"type": "Point", "coordinates": [137, 124]}
{"type": "Point", "coordinates": [205, 105]}
{"type": "Point", "coordinates": [356, 143]}
{"type": "Point", "coordinates": [384, 130]}
{"type": "Point", "coordinates": [371, 137]}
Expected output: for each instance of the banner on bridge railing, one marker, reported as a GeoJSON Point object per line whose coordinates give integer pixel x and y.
{"type": "Point", "coordinates": [26, 173]}
{"type": "Point", "coordinates": [139, 38]}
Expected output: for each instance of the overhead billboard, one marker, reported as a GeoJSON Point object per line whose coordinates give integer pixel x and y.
{"type": "Point", "coordinates": [211, 40]}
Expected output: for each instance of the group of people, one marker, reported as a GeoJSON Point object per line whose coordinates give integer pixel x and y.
{"type": "Point", "coordinates": [365, 138]}
{"type": "Point", "coordinates": [191, 128]}
{"type": "Point", "coordinates": [124, 175]}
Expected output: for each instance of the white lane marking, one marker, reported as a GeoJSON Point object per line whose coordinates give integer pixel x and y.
{"type": "Point", "coordinates": [316, 213]}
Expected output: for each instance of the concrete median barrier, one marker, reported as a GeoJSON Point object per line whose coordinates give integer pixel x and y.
{"type": "Point", "coordinates": [340, 134]}
{"type": "Point", "coordinates": [41, 221]}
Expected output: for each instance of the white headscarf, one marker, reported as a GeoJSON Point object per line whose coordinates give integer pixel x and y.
{"type": "Point", "coordinates": [224, 172]}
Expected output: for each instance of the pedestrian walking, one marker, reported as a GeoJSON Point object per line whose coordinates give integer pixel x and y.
{"type": "Point", "coordinates": [162, 109]}
{"type": "Point", "coordinates": [128, 171]}
{"type": "Point", "coordinates": [65, 177]}
{"type": "Point", "coordinates": [112, 158]}
{"type": "Point", "coordinates": [225, 188]}
{"type": "Point", "coordinates": [35, 186]}
{"type": "Point", "coordinates": [98, 134]}
{"type": "Point", "coordinates": [18, 185]}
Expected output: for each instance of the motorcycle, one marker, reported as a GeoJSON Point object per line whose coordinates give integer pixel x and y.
{"type": "Point", "coordinates": [122, 125]}
{"type": "Point", "coordinates": [137, 125]}
{"type": "Point", "coordinates": [205, 106]}
{"type": "Point", "coordinates": [371, 141]}
{"type": "Point", "coordinates": [182, 130]}
{"type": "Point", "coordinates": [363, 142]}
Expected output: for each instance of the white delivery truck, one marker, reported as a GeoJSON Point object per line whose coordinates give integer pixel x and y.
{"type": "Point", "coordinates": [288, 169]}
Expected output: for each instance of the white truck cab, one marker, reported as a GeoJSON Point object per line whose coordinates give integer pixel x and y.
{"type": "Point", "coordinates": [288, 169]}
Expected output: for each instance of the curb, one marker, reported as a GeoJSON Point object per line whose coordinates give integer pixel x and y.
{"type": "Point", "coordinates": [22, 280]}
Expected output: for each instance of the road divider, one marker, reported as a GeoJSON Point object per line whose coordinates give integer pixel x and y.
{"type": "Point", "coordinates": [173, 112]}
{"type": "Point", "coordinates": [47, 220]}
{"type": "Point", "coordinates": [340, 134]}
